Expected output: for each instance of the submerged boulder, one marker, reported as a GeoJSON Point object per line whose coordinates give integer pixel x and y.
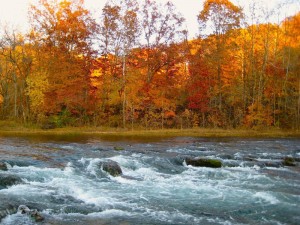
{"type": "Point", "coordinates": [226, 156]}
{"type": "Point", "coordinates": [112, 167]}
{"type": "Point", "coordinates": [275, 164]}
{"type": "Point", "coordinates": [203, 162]}
{"type": "Point", "coordinates": [9, 180]}
{"type": "Point", "coordinates": [80, 209]}
{"type": "Point", "coordinates": [3, 166]}
{"type": "Point", "coordinates": [132, 178]}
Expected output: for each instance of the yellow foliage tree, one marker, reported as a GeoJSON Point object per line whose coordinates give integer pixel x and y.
{"type": "Point", "coordinates": [37, 85]}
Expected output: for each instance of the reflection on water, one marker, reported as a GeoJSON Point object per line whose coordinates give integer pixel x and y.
{"type": "Point", "coordinates": [62, 178]}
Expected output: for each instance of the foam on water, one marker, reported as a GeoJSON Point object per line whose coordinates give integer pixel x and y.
{"type": "Point", "coordinates": [28, 190]}
{"type": "Point", "coordinates": [202, 150]}
{"type": "Point", "coordinates": [66, 181]}
{"type": "Point", "coordinates": [265, 196]}
{"type": "Point", "coordinates": [17, 219]}
{"type": "Point", "coordinates": [110, 213]}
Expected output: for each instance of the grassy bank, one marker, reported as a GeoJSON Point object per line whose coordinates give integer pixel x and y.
{"type": "Point", "coordinates": [9, 128]}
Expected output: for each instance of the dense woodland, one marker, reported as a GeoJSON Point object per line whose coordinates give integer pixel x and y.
{"type": "Point", "coordinates": [133, 67]}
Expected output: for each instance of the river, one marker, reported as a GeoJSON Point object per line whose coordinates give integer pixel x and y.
{"type": "Point", "coordinates": [61, 178]}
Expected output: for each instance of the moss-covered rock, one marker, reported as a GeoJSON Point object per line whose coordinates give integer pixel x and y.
{"type": "Point", "coordinates": [289, 161]}
{"type": "Point", "coordinates": [203, 162]}
{"type": "Point", "coordinates": [112, 167]}
{"type": "Point", "coordinates": [118, 148]}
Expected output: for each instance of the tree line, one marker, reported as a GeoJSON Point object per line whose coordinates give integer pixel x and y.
{"type": "Point", "coordinates": [134, 67]}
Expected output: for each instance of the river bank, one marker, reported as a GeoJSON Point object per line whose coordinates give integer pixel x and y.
{"type": "Point", "coordinates": [8, 128]}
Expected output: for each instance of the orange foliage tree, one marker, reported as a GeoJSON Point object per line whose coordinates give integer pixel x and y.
{"type": "Point", "coordinates": [63, 31]}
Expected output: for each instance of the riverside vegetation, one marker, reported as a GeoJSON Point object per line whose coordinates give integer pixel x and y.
{"type": "Point", "coordinates": [11, 128]}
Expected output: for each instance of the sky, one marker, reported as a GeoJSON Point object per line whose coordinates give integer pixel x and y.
{"type": "Point", "coordinates": [14, 12]}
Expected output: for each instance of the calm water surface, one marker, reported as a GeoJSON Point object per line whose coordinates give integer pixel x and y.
{"type": "Point", "coordinates": [62, 179]}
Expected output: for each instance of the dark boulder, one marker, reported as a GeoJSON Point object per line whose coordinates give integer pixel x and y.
{"type": "Point", "coordinates": [203, 162]}
{"type": "Point", "coordinates": [3, 166]}
{"type": "Point", "coordinates": [9, 180]}
{"type": "Point", "coordinates": [112, 167]}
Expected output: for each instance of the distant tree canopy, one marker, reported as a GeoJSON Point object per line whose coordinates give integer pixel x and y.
{"type": "Point", "coordinates": [134, 67]}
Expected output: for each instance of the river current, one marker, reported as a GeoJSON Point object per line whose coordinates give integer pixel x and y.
{"type": "Point", "coordinates": [61, 178]}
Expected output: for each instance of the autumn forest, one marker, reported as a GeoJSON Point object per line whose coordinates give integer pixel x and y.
{"type": "Point", "coordinates": [133, 66]}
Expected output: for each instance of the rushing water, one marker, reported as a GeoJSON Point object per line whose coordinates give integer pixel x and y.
{"type": "Point", "coordinates": [63, 181]}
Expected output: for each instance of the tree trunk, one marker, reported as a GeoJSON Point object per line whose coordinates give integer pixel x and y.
{"type": "Point", "coordinates": [124, 91]}
{"type": "Point", "coordinates": [15, 97]}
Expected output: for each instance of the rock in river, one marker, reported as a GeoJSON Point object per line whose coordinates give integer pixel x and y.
{"type": "Point", "coordinates": [9, 180]}
{"type": "Point", "coordinates": [203, 162]}
{"type": "Point", "coordinates": [112, 168]}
